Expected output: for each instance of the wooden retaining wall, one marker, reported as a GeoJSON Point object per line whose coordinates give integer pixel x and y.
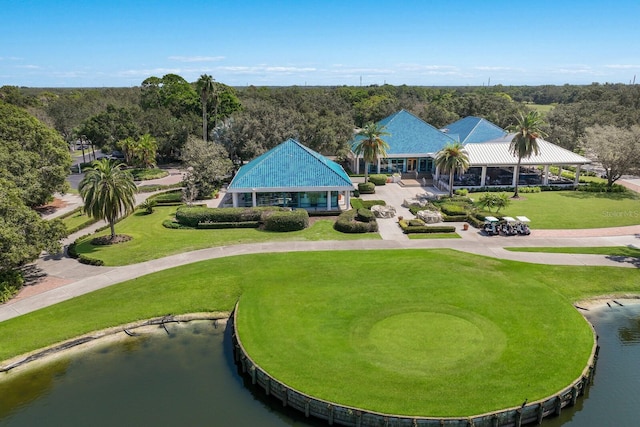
{"type": "Point", "coordinates": [530, 413]}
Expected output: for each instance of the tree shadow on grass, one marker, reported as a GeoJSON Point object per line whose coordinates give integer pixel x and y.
{"type": "Point", "coordinates": [585, 195]}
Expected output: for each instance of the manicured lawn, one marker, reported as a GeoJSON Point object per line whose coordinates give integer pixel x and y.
{"type": "Point", "coordinates": [492, 337]}
{"type": "Point", "coordinates": [140, 174]}
{"type": "Point", "coordinates": [618, 251]}
{"type": "Point", "coordinates": [575, 209]}
{"type": "Point", "coordinates": [479, 301]}
{"type": "Point", "coordinates": [151, 240]}
{"type": "Point", "coordinates": [419, 236]}
{"type": "Point", "coordinates": [77, 219]}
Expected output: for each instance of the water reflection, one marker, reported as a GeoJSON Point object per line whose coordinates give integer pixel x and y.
{"type": "Point", "coordinates": [188, 378]}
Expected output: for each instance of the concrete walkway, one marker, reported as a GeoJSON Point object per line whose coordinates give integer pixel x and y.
{"type": "Point", "coordinates": [67, 278]}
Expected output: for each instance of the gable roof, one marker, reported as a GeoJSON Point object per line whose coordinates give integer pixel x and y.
{"type": "Point", "coordinates": [287, 166]}
{"type": "Point", "coordinates": [410, 135]}
{"type": "Point", "coordinates": [497, 153]}
{"type": "Point", "coordinates": [474, 129]}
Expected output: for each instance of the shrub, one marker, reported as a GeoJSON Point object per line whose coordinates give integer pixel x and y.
{"type": "Point", "coordinates": [462, 192]}
{"type": "Point", "coordinates": [347, 223]}
{"type": "Point", "coordinates": [365, 215]}
{"type": "Point", "coordinates": [148, 206]}
{"type": "Point", "coordinates": [283, 221]}
{"type": "Point", "coordinates": [476, 220]}
{"type": "Point", "coordinates": [167, 223]}
{"type": "Point", "coordinates": [378, 179]}
{"type": "Point", "coordinates": [366, 188]}
{"type": "Point", "coordinates": [489, 201]}
{"type": "Point", "coordinates": [10, 283]}
{"type": "Point", "coordinates": [454, 218]}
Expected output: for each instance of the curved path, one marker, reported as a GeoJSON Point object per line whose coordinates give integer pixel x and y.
{"type": "Point", "coordinates": [67, 278]}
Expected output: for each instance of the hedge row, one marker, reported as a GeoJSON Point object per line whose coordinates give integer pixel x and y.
{"type": "Point", "coordinates": [220, 225]}
{"type": "Point", "coordinates": [167, 199]}
{"type": "Point", "coordinates": [83, 259]}
{"type": "Point", "coordinates": [407, 228]}
{"type": "Point", "coordinates": [192, 216]}
{"type": "Point", "coordinates": [347, 223]}
{"type": "Point", "coordinates": [10, 283]}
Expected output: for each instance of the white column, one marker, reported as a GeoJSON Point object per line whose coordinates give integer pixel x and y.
{"type": "Point", "coordinates": [515, 176]}
{"type": "Point", "coordinates": [545, 180]}
{"type": "Point", "coordinates": [254, 201]}
{"type": "Point", "coordinates": [378, 165]}
{"type": "Point", "coordinates": [576, 181]}
{"type": "Point", "coordinates": [234, 197]}
{"type": "Point", "coordinates": [483, 176]}
{"type": "Point", "coordinates": [328, 200]}
{"type": "Point", "coordinates": [347, 199]}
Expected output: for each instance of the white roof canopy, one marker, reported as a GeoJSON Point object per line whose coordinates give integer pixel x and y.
{"type": "Point", "coordinates": [496, 153]}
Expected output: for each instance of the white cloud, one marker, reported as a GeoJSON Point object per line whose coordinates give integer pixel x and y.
{"type": "Point", "coordinates": [196, 58]}
{"type": "Point", "coordinates": [622, 66]}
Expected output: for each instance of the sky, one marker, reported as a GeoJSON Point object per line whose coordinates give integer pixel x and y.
{"type": "Point", "coordinates": [119, 43]}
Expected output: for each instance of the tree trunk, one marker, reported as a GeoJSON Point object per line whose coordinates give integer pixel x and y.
{"type": "Point", "coordinates": [204, 120]}
{"type": "Point", "coordinates": [366, 172]}
{"type": "Point", "coordinates": [112, 225]}
{"type": "Point", "coordinates": [517, 179]}
{"type": "Point", "coordinates": [450, 183]}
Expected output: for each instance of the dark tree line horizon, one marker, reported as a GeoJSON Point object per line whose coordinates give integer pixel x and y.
{"type": "Point", "coordinates": [250, 120]}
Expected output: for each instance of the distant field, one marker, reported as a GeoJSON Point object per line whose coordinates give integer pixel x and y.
{"type": "Point", "coordinates": [542, 109]}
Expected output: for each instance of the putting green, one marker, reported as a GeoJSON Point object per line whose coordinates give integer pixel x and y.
{"type": "Point", "coordinates": [463, 336]}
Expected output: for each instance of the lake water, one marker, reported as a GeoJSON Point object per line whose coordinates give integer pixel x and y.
{"type": "Point", "coordinates": [188, 378]}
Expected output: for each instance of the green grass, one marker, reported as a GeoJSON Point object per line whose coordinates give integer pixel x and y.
{"type": "Point", "coordinates": [77, 220]}
{"type": "Point", "coordinates": [617, 251]}
{"type": "Point", "coordinates": [140, 174]}
{"type": "Point", "coordinates": [576, 209]}
{"type": "Point", "coordinates": [151, 240]}
{"type": "Point", "coordinates": [419, 236]}
{"type": "Point", "coordinates": [541, 108]}
{"type": "Point", "coordinates": [488, 293]}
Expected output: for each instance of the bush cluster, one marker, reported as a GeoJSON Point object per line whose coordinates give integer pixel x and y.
{"type": "Point", "coordinates": [348, 223]}
{"type": "Point", "coordinates": [378, 179]}
{"type": "Point", "coordinates": [10, 283]}
{"type": "Point", "coordinates": [366, 188]}
{"type": "Point", "coordinates": [453, 209]}
{"type": "Point", "coordinates": [283, 221]}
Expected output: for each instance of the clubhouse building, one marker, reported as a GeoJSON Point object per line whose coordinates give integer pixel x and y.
{"type": "Point", "coordinates": [414, 145]}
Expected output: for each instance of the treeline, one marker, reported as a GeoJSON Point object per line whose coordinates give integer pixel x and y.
{"type": "Point", "coordinates": [250, 120]}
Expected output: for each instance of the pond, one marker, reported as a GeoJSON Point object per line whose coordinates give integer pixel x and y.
{"type": "Point", "coordinates": [188, 378]}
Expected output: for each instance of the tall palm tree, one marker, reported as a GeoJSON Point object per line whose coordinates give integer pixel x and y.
{"type": "Point", "coordinates": [108, 192]}
{"type": "Point", "coordinates": [371, 146]}
{"type": "Point", "coordinates": [528, 129]}
{"type": "Point", "coordinates": [452, 159]}
{"type": "Point", "coordinates": [206, 87]}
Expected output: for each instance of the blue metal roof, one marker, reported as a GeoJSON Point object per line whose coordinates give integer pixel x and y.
{"type": "Point", "coordinates": [290, 165]}
{"type": "Point", "coordinates": [474, 129]}
{"type": "Point", "coordinates": [409, 134]}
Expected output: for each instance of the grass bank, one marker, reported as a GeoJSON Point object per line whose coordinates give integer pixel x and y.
{"type": "Point", "coordinates": [576, 209]}
{"type": "Point", "coordinates": [617, 251]}
{"type": "Point", "coordinates": [152, 240]}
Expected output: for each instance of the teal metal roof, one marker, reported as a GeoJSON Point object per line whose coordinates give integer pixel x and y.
{"type": "Point", "coordinates": [409, 134]}
{"type": "Point", "coordinates": [474, 129]}
{"type": "Point", "coordinates": [290, 165]}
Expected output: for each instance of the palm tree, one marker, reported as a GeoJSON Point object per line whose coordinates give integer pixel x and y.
{"type": "Point", "coordinates": [206, 87]}
{"type": "Point", "coordinates": [371, 146]}
{"type": "Point", "coordinates": [525, 141]}
{"type": "Point", "coordinates": [452, 159]}
{"type": "Point", "coordinates": [108, 192]}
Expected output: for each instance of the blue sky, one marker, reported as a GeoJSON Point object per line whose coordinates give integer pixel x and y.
{"type": "Point", "coordinates": [88, 43]}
